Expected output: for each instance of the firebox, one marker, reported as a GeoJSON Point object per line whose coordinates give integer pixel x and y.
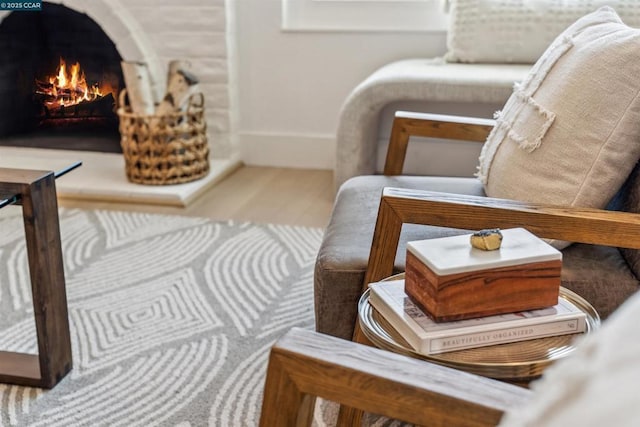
{"type": "Point", "coordinates": [60, 77]}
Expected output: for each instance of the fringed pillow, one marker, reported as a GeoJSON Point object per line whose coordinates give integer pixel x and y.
{"type": "Point", "coordinates": [570, 132]}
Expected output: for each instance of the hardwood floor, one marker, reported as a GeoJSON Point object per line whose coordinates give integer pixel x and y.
{"type": "Point", "coordinates": [258, 194]}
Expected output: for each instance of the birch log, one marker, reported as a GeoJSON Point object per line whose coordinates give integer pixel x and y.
{"type": "Point", "coordinates": [181, 84]}
{"type": "Point", "coordinates": [138, 82]}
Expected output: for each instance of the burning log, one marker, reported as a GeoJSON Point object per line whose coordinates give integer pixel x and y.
{"type": "Point", "coordinates": [101, 106]}
{"type": "Point", "coordinates": [50, 92]}
{"type": "Point", "coordinates": [69, 88]}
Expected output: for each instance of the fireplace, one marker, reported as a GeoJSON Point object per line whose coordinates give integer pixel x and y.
{"type": "Point", "coordinates": [106, 32]}
{"type": "Point", "coordinates": [152, 32]}
{"type": "Point", "coordinates": [60, 78]}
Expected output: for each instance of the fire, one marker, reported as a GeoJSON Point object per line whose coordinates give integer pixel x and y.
{"type": "Point", "coordinates": [68, 87]}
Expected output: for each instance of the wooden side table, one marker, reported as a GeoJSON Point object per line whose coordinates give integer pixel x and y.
{"type": "Point", "coordinates": [517, 363]}
{"type": "Point", "coordinates": [36, 192]}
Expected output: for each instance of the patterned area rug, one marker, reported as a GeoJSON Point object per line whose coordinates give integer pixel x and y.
{"type": "Point", "coordinates": [171, 317]}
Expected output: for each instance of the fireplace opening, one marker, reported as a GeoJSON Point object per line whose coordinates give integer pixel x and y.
{"type": "Point", "coordinates": [60, 77]}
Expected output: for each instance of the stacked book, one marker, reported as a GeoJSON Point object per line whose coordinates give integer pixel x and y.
{"type": "Point", "coordinates": [429, 337]}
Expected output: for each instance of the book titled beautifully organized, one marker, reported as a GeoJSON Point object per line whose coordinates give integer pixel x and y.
{"type": "Point", "coordinates": [429, 337]}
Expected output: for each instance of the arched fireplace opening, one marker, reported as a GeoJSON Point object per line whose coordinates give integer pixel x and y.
{"type": "Point", "coordinates": [60, 77]}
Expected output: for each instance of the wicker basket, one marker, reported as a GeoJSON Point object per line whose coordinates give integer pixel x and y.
{"type": "Point", "coordinates": [167, 149]}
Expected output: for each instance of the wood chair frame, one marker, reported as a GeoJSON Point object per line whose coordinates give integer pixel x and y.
{"type": "Point", "coordinates": [402, 206]}
{"type": "Point", "coordinates": [361, 377]}
{"type": "Point", "coordinates": [305, 363]}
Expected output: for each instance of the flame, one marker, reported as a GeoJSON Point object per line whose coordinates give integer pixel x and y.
{"type": "Point", "coordinates": [69, 87]}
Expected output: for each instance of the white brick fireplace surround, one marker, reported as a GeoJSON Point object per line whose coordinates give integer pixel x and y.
{"type": "Point", "coordinates": [155, 32]}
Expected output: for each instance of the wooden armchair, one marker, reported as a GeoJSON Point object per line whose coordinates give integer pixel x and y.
{"type": "Point", "coordinates": [594, 386]}
{"type": "Point", "coordinates": [362, 378]}
{"type": "Point", "coordinates": [401, 206]}
{"type": "Point", "coordinates": [363, 245]}
{"type": "Point", "coordinates": [599, 236]}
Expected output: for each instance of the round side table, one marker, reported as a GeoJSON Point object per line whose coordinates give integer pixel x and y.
{"type": "Point", "coordinates": [518, 362]}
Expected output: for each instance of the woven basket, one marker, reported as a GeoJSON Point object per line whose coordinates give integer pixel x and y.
{"type": "Point", "coordinates": [166, 149]}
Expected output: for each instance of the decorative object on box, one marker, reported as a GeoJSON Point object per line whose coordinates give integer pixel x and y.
{"type": "Point", "coordinates": [429, 337]}
{"type": "Point", "coordinates": [487, 240]}
{"type": "Point", "coordinates": [517, 362]}
{"type": "Point", "coordinates": [171, 148]}
{"type": "Point", "coordinates": [450, 280]}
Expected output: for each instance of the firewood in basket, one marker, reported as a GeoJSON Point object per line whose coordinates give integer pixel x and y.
{"type": "Point", "coordinates": [181, 85]}
{"type": "Point", "coordinates": [138, 82]}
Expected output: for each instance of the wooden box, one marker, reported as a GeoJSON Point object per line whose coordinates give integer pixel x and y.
{"type": "Point", "coordinates": [451, 280]}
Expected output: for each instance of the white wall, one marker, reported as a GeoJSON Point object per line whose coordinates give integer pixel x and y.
{"type": "Point", "coordinates": [291, 85]}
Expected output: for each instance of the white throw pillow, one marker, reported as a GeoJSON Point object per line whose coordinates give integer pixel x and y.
{"type": "Point", "coordinates": [518, 31]}
{"type": "Point", "coordinates": [570, 132]}
{"type": "Point", "coordinates": [595, 386]}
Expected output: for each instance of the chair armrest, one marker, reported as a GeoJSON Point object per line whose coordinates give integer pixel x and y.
{"type": "Point", "coordinates": [305, 362]}
{"type": "Point", "coordinates": [407, 124]}
{"type": "Point", "coordinates": [398, 206]}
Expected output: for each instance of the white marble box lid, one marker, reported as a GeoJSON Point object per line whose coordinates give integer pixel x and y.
{"type": "Point", "coordinates": [452, 255]}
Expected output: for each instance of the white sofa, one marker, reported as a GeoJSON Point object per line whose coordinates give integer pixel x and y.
{"type": "Point", "coordinates": [426, 81]}
{"type": "Point", "coordinates": [490, 45]}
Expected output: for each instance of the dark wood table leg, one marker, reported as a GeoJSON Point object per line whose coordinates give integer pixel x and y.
{"type": "Point", "coordinates": [37, 192]}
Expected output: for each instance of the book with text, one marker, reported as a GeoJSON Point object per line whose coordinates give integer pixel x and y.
{"type": "Point", "coordinates": [429, 337]}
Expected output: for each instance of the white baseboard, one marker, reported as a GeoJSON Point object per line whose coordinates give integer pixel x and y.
{"type": "Point", "coordinates": [288, 151]}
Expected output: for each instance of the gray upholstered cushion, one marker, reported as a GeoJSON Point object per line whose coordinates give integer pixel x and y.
{"type": "Point", "coordinates": [342, 260]}
{"type": "Point", "coordinates": [599, 274]}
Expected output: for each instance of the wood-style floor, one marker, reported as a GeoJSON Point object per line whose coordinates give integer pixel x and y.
{"type": "Point", "coordinates": [258, 194]}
